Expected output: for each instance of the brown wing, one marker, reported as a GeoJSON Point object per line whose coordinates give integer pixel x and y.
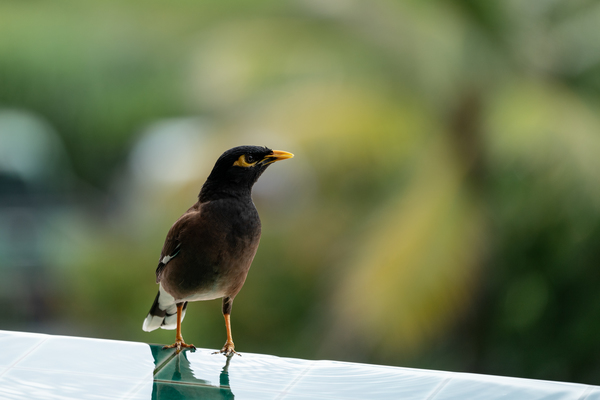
{"type": "Point", "coordinates": [172, 246]}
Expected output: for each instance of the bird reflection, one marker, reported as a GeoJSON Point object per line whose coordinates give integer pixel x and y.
{"type": "Point", "coordinates": [175, 380]}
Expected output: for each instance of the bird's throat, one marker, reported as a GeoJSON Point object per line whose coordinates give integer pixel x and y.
{"type": "Point", "coordinates": [214, 190]}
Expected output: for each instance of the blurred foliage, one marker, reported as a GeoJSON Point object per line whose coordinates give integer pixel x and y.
{"type": "Point", "coordinates": [442, 210]}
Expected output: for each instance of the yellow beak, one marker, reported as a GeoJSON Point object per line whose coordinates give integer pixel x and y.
{"type": "Point", "coordinates": [278, 155]}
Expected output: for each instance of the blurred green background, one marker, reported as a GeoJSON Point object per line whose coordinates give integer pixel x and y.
{"type": "Point", "coordinates": [442, 210]}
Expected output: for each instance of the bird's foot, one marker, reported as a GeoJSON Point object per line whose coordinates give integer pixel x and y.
{"type": "Point", "coordinates": [228, 350]}
{"type": "Point", "coordinates": [180, 345]}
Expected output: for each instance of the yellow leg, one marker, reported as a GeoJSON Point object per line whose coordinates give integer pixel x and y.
{"type": "Point", "coordinates": [229, 348]}
{"type": "Point", "coordinates": [179, 343]}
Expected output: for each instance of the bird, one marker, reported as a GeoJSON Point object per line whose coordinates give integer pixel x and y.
{"type": "Point", "coordinates": [208, 251]}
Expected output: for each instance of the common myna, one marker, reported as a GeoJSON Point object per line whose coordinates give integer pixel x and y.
{"type": "Point", "coordinates": [209, 249]}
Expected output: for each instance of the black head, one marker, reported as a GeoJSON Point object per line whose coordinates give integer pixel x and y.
{"type": "Point", "coordinates": [238, 169]}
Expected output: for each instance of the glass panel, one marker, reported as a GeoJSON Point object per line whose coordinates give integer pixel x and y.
{"type": "Point", "coordinates": [91, 356]}
{"type": "Point", "coordinates": [44, 366]}
{"type": "Point", "coordinates": [16, 345]}
{"type": "Point", "coordinates": [355, 381]}
{"type": "Point", "coordinates": [37, 384]}
{"type": "Point", "coordinates": [484, 387]}
{"type": "Point", "coordinates": [593, 395]}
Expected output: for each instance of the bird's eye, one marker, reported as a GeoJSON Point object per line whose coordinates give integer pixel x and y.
{"type": "Point", "coordinates": [246, 161]}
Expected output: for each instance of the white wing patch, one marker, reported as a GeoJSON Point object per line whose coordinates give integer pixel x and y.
{"type": "Point", "coordinates": [166, 259]}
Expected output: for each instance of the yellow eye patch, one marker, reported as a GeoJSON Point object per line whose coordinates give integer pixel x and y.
{"type": "Point", "coordinates": [241, 162]}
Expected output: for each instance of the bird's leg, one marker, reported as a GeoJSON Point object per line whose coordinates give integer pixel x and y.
{"type": "Point", "coordinates": [179, 343]}
{"type": "Point", "coordinates": [229, 348]}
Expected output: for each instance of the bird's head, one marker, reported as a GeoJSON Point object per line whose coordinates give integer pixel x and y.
{"type": "Point", "coordinates": [239, 168]}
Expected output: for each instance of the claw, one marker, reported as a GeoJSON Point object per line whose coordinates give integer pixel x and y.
{"type": "Point", "coordinates": [228, 350]}
{"type": "Point", "coordinates": [180, 345]}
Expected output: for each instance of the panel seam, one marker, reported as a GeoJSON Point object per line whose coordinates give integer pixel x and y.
{"type": "Point", "coordinates": [23, 356]}
{"type": "Point", "coordinates": [439, 387]}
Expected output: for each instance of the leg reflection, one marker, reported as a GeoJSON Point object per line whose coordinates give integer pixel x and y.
{"type": "Point", "coordinates": [174, 379]}
{"type": "Point", "coordinates": [224, 381]}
